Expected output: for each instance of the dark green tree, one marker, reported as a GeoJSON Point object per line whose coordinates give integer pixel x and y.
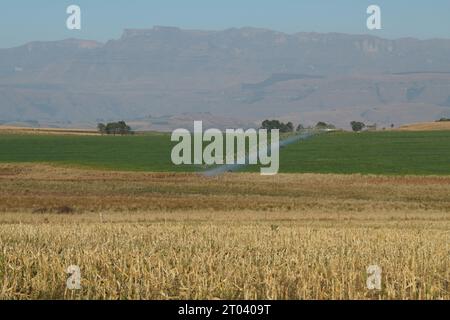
{"type": "Point", "coordinates": [118, 128]}
{"type": "Point", "coordinates": [323, 125]}
{"type": "Point", "coordinates": [357, 126]}
{"type": "Point", "coordinates": [101, 128]}
{"type": "Point", "coordinates": [276, 124]}
{"type": "Point", "coordinates": [290, 127]}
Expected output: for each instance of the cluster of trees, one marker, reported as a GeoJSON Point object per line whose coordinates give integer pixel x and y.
{"type": "Point", "coordinates": [276, 124]}
{"type": "Point", "coordinates": [114, 128]}
{"type": "Point", "coordinates": [444, 120]}
{"type": "Point", "coordinates": [323, 125]}
{"type": "Point", "coordinates": [357, 126]}
{"type": "Point", "coordinates": [289, 127]}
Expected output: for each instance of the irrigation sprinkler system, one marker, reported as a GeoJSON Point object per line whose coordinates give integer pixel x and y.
{"type": "Point", "coordinates": [304, 135]}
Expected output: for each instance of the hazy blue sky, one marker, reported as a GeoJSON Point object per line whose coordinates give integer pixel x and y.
{"type": "Point", "coordinates": [28, 20]}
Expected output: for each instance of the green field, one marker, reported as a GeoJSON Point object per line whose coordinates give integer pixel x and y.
{"type": "Point", "coordinates": [421, 153]}
{"type": "Point", "coordinates": [392, 152]}
{"type": "Point", "coordinates": [131, 153]}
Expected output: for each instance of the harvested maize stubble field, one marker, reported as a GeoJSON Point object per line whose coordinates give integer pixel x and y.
{"type": "Point", "coordinates": [237, 236]}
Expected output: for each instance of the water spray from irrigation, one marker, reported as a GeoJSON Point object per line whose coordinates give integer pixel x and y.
{"type": "Point", "coordinates": [305, 135]}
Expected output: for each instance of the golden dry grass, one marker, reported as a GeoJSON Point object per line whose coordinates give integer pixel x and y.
{"type": "Point", "coordinates": [57, 131]}
{"type": "Point", "coordinates": [426, 126]}
{"type": "Point", "coordinates": [238, 236]}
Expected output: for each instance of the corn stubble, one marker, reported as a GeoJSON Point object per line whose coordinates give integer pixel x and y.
{"type": "Point", "coordinates": [240, 236]}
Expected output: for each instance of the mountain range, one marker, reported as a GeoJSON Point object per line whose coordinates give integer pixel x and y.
{"type": "Point", "coordinates": [165, 77]}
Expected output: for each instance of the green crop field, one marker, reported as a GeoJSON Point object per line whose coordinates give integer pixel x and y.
{"type": "Point", "coordinates": [421, 153]}
{"type": "Point", "coordinates": [131, 153]}
{"type": "Point", "coordinates": [390, 152]}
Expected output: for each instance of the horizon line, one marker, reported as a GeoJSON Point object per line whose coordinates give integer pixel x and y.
{"type": "Point", "coordinates": [168, 27]}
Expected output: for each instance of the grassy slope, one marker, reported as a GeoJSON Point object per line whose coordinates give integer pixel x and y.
{"type": "Point", "coordinates": [377, 153]}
